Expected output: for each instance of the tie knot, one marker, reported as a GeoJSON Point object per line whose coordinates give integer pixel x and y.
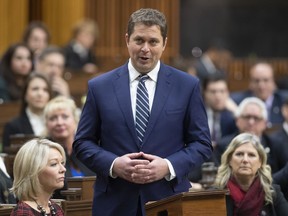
{"type": "Point", "coordinates": [143, 78]}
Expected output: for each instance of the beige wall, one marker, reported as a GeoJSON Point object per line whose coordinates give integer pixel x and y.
{"type": "Point", "coordinates": [13, 19]}
{"type": "Point", "coordinates": [111, 16]}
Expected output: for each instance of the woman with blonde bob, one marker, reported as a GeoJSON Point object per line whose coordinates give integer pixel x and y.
{"type": "Point", "coordinates": [245, 173]}
{"type": "Point", "coordinates": [61, 118]}
{"type": "Point", "coordinates": [39, 169]}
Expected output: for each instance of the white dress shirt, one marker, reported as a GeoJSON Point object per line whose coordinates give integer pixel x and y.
{"type": "Point", "coordinates": [151, 87]}
{"type": "Point", "coordinates": [37, 122]}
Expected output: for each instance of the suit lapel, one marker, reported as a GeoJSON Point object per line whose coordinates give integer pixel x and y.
{"type": "Point", "coordinates": [162, 92]}
{"type": "Point", "coordinates": [122, 91]}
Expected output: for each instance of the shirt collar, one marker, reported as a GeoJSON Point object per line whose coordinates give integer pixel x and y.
{"type": "Point", "coordinates": [32, 115]}
{"type": "Point", "coordinates": [134, 74]}
{"type": "Point", "coordinates": [285, 127]}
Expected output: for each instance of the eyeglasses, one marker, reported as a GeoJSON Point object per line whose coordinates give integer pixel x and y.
{"type": "Point", "coordinates": [248, 117]}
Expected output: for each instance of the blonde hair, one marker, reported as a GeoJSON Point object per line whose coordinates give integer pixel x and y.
{"type": "Point", "coordinates": [264, 172]}
{"type": "Point", "coordinates": [30, 160]}
{"type": "Point", "coordinates": [86, 25]}
{"type": "Point", "coordinates": [62, 102]}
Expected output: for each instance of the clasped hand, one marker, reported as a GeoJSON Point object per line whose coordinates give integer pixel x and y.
{"type": "Point", "coordinates": [140, 168]}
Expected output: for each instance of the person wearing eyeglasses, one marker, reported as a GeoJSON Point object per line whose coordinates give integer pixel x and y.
{"type": "Point", "coordinates": [251, 117]}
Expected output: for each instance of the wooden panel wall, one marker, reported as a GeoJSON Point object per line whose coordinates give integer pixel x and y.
{"type": "Point", "coordinates": [60, 16]}
{"type": "Point", "coordinates": [112, 17]}
{"type": "Point", "coordinates": [238, 71]}
{"type": "Point", "coordinates": [13, 19]}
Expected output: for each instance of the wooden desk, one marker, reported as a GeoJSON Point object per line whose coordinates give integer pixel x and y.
{"type": "Point", "coordinates": [200, 203]}
{"type": "Point", "coordinates": [16, 142]}
{"type": "Point", "coordinates": [77, 208]}
{"type": "Point", "coordinates": [8, 111]}
{"type": "Point", "coordinates": [5, 209]}
{"type": "Point", "coordinates": [85, 183]}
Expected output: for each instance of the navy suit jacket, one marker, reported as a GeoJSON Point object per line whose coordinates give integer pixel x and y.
{"type": "Point", "coordinates": [177, 130]}
{"type": "Point", "coordinates": [227, 123]}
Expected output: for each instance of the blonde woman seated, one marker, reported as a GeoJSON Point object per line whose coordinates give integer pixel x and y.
{"type": "Point", "coordinates": [61, 117]}
{"type": "Point", "coordinates": [245, 173]}
{"type": "Point", "coordinates": [39, 169]}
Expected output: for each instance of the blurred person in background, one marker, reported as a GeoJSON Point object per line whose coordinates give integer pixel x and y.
{"type": "Point", "coordinates": [62, 117]}
{"type": "Point", "coordinates": [245, 173]}
{"type": "Point", "coordinates": [220, 113]}
{"type": "Point", "coordinates": [51, 63]}
{"type": "Point", "coordinates": [251, 117]}
{"type": "Point", "coordinates": [79, 51]}
{"type": "Point", "coordinates": [262, 85]}
{"type": "Point", "coordinates": [5, 184]}
{"type": "Point", "coordinates": [15, 66]}
{"type": "Point", "coordinates": [213, 61]}
{"type": "Point", "coordinates": [37, 37]}
{"type": "Point", "coordinates": [36, 94]}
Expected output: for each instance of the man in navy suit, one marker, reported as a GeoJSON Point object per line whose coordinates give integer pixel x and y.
{"type": "Point", "coordinates": [130, 173]}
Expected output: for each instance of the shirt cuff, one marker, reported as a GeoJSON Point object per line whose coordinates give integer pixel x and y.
{"type": "Point", "coordinates": [172, 173]}
{"type": "Point", "coordinates": [111, 170]}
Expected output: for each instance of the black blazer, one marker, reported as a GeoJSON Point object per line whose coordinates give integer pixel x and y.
{"type": "Point", "coordinates": [18, 125]}
{"type": "Point", "coordinates": [278, 208]}
{"type": "Point", "coordinates": [74, 61]}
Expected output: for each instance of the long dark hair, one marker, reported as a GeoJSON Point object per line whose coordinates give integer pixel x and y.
{"type": "Point", "coordinates": [8, 74]}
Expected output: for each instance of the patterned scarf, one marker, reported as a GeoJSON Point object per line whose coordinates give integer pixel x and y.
{"type": "Point", "coordinates": [247, 203]}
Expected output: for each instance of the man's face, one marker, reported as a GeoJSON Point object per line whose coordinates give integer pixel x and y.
{"type": "Point", "coordinates": [262, 81]}
{"type": "Point", "coordinates": [52, 65]}
{"type": "Point", "coordinates": [251, 120]}
{"type": "Point", "coordinates": [145, 47]}
{"type": "Point", "coordinates": [216, 95]}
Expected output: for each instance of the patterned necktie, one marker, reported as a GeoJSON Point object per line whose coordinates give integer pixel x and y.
{"type": "Point", "coordinates": [142, 109]}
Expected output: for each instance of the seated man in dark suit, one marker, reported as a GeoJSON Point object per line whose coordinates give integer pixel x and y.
{"type": "Point", "coordinates": [262, 85]}
{"type": "Point", "coordinates": [220, 112]}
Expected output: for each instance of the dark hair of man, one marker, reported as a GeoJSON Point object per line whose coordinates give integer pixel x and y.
{"type": "Point", "coordinates": [50, 50]}
{"type": "Point", "coordinates": [213, 78]}
{"type": "Point", "coordinates": [148, 17]}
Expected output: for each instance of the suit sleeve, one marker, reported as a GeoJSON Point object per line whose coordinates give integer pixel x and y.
{"type": "Point", "coordinates": [198, 147]}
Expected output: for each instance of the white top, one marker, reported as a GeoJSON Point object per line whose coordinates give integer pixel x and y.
{"type": "Point", "coordinates": [37, 122]}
